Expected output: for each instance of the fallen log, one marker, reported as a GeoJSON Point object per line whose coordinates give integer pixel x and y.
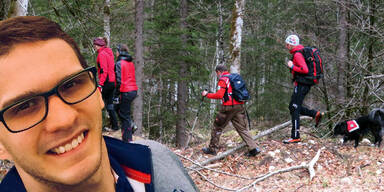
{"type": "Point", "coordinates": [262, 134]}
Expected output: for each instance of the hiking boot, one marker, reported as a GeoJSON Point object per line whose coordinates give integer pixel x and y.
{"type": "Point", "coordinates": [208, 150]}
{"type": "Point", "coordinates": [318, 117]}
{"type": "Point", "coordinates": [291, 141]}
{"type": "Point", "coordinates": [253, 152]}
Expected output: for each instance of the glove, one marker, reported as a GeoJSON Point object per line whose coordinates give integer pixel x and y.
{"type": "Point", "coordinates": [116, 100]}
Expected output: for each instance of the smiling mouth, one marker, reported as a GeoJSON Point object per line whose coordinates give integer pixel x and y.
{"type": "Point", "coordinates": [68, 146]}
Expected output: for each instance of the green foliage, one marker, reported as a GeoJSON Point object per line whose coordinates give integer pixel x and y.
{"type": "Point", "coordinates": [263, 55]}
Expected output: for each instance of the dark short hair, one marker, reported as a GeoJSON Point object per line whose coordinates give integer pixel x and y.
{"type": "Point", "coordinates": [124, 47]}
{"type": "Point", "coordinates": [28, 29]}
{"type": "Point", "coordinates": [221, 68]}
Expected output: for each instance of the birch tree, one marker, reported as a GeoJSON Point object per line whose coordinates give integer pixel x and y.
{"type": "Point", "coordinates": [107, 19]}
{"type": "Point", "coordinates": [236, 32]}
{"type": "Point", "coordinates": [139, 64]}
{"type": "Point", "coordinates": [21, 7]}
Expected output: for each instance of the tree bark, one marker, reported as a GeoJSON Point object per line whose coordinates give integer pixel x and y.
{"type": "Point", "coordinates": [236, 34]}
{"type": "Point", "coordinates": [341, 53]}
{"type": "Point", "coordinates": [107, 21]}
{"type": "Point", "coordinates": [372, 39]}
{"type": "Point", "coordinates": [181, 134]}
{"type": "Point", "coordinates": [220, 36]}
{"type": "Point", "coordinates": [20, 8]}
{"type": "Point", "coordinates": [139, 65]}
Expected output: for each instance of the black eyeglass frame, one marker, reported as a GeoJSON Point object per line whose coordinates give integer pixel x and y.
{"type": "Point", "coordinates": [46, 95]}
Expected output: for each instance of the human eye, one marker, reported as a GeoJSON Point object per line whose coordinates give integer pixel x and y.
{"type": "Point", "coordinates": [74, 83]}
{"type": "Point", "coordinates": [25, 107]}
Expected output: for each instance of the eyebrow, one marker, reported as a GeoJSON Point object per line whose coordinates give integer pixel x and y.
{"type": "Point", "coordinates": [21, 97]}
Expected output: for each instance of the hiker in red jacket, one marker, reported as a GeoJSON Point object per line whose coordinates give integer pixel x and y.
{"type": "Point", "coordinates": [106, 73]}
{"type": "Point", "coordinates": [231, 110]}
{"type": "Point", "coordinates": [298, 68]}
{"type": "Point", "coordinates": [126, 90]}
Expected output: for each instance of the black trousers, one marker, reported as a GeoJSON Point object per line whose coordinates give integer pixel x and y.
{"type": "Point", "coordinates": [296, 109]}
{"type": "Point", "coordinates": [107, 94]}
{"type": "Point", "coordinates": [125, 114]}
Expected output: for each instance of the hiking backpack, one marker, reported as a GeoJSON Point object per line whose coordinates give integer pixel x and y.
{"type": "Point", "coordinates": [239, 89]}
{"type": "Point", "coordinates": [315, 67]}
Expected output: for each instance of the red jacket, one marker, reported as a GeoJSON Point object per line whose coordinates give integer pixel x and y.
{"type": "Point", "coordinates": [298, 61]}
{"type": "Point", "coordinates": [224, 84]}
{"type": "Point", "coordinates": [105, 65]}
{"type": "Point", "coordinates": [125, 76]}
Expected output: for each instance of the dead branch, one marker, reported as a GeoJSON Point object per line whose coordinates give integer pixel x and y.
{"type": "Point", "coordinates": [262, 134]}
{"type": "Point", "coordinates": [374, 76]}
{"type": "Point", "coordinates": [211, 182]}
{"type": "Point", "coordinates": [308, 166]}
{"type": "Point", "coordinates": [209, 167]}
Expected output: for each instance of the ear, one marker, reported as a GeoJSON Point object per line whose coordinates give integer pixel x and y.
{"type": "Point", "coordinates": [4, 153]}
{"type": "Point", "coordinates": [100, 98]}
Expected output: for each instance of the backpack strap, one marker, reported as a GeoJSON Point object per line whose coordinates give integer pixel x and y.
{"type": "Point", "coordinates": [227, 83]}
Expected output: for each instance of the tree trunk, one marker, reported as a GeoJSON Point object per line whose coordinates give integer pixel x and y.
{"type": "Point", "coordinates": [236, 32]}
{"type": "Point", "coordinates": [181, 135]}
{"type": "Point", "coordinates": [220, 59]}
{"type": "Point", "coordinates": [372, 39]}
{"type": "Point", "coordinates": [341, 53]}
{"type": "Point", "coordinates": [139, 65]}
{"type": "Point", "coordinates": [20, 8]}
{"type": "Point", "coordinates": [220, 36]}
{"type": "Point", "coordinates": [107, 19]}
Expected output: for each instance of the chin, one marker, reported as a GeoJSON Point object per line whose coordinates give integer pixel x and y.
{"type": "Point", "coordinates": [82, 173]}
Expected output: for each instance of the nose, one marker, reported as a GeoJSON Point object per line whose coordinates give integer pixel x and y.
{"type": "Point", "coordinates": [61, 116]}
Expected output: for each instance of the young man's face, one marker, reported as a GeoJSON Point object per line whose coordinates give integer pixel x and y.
{"type": "Point", "coordinates": [37, 68]}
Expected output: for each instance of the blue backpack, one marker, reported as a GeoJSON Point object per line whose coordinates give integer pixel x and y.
{"type": "Point", "coordinates": [239, 89]}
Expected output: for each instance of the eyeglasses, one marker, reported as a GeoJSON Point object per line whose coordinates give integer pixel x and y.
{"type": "Point", "coordinates": [29, 112]}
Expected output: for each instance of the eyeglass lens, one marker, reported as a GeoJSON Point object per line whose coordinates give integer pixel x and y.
{"type": "Point", "coordinates": [30, 112]}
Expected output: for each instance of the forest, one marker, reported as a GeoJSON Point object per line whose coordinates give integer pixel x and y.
{"type": "Point", "coordinates": [176, 45]}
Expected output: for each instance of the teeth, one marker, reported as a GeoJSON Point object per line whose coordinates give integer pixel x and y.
{"type": "Point", "coordinates": [69, 146]}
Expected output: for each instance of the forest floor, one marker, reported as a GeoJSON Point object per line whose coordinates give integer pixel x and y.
{"type": "Point", "coordinates": [339, 167]}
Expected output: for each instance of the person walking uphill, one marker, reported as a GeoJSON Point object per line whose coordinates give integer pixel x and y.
{"type": "Point", "coordinates": [106, 73]}
{"type": "Point", "coordinates": [299, 69]}
{"type": "Point", "coordinates": [126, 89]}
{"type": "Point", "coordinates": [231, 110]}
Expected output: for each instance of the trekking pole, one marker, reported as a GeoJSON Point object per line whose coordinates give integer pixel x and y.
{"type": "Point", "coordinates": [249, 120]}
{"type": "Point", "coordinates": [194, 122]}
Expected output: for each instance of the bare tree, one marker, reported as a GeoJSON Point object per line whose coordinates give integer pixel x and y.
{"type": "Point", "coordinates": [181, 135]}
{"type": "Point", "coordinates": [139, 64]}
{"type": "Point", "coordinates": [341, 51]}
{"type": "Point", "coordinates": [107, 20]}
{"type": "Point", "coordinates": [236, 32]}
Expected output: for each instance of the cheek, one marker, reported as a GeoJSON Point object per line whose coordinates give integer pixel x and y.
{"type": "Point", "coordinates": [19, 144]}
